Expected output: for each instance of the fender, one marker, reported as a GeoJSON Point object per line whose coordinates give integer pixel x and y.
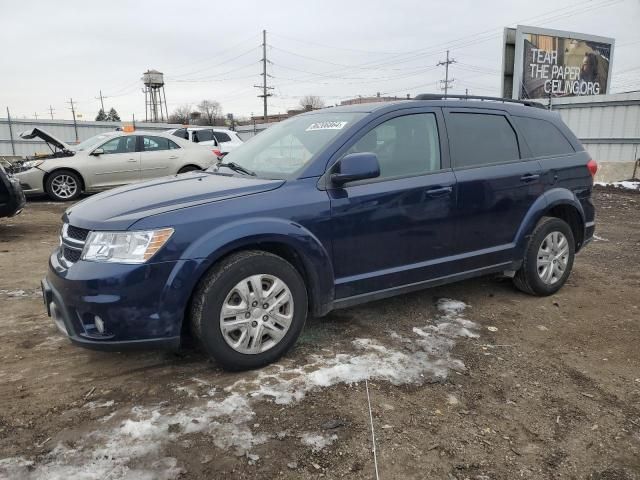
{"type": "Point", "coordinates": [544, 203]}
{"type": "Point", "coordinates": [242, 233]}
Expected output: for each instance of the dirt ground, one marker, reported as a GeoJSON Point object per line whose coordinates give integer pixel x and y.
{"type": "Point", "coordinates": [502, 386]}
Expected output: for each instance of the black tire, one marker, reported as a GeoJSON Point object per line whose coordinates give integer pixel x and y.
{"type": "Point", "coordinates": [188, 168]}
{"type": "Point", "coordinates": [527, 279]}
{"type": "Point", "coordinates": [54, 191]}
{"type": "Point", "coordinates": [212, 292]}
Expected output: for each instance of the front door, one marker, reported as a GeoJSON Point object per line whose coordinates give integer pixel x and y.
{"type": "Point", "coordinates": [394, 230]}
{"type": "Point", "coordinates": [496, 185]}
{"type": "Point", "coordinates": [119, 163]}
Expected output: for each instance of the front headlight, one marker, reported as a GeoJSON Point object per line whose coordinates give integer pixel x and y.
{"type": "Point", "coordinates": [19, 167]}
{"type": "Point", "coordinates": [125, 247]}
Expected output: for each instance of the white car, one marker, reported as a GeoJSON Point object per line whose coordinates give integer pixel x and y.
{"type": "Point", "coordinates": [106, 161]}
{"type": "Point", "coordinates": [225, 140]}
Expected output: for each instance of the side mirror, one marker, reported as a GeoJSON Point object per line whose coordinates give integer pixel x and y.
{"type": "Point", "coordinates": [355, 166]}
{"type": "Point", "coordinates": [97, 151]}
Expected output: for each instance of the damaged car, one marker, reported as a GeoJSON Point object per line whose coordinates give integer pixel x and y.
{"type": "Point", "coordinates": [105, 161]}
{"type": "Point", "coordinates": [12, 199]}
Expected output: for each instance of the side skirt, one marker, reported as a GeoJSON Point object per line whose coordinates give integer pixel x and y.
{"type": "Point", "coordinates": [412, 287]}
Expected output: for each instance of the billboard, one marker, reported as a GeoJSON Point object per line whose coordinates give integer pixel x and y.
{"type": "Point", "coordinates": [552, 63]}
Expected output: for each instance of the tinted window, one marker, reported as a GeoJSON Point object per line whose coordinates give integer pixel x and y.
{"type": "Point", "coordinates": [543, 137]}
{"type": "Point", "coordinates": [182, 133]}
{"type": "Point", "coordinates": [154, 144]}
{"type": "Point", "coordinates": [405, 145]}
{"type": "Point", "coordinates": [173, 145]}
{"type": "Point", "coordinates": [202, 135]}
{"type": "Point", "coordinates": [481, 139]}
{"type": "Point", "coordinates": [120, 145]}
{"type": "Point", "coordinates": [222, 137]}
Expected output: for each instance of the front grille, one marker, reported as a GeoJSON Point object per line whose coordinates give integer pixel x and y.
{"type": "Point", "coordinates": [72, 240]}
{"type": "Point", "coordinates": [77, 233]}
{"type": "Point", "coordinates": [71, 255]}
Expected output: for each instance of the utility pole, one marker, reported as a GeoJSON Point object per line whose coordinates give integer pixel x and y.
{"type": "Point", "coordinates": [445, 83]}
{"type": "Point", "coordinates": [51, 111]}
{"type": "Point", "coordinates": [35, 115]}
{"type": "Point", "coordinates": [75, 124]}
{"type": "Point", "coordinates": [13, 146]}
{"type": "Point", "coordinates": [264, 86]}
{"type": "Point", "coordinates": [101, 100]}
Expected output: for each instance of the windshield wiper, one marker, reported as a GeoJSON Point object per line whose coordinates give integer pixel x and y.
{"type": "Point", "coordinates": [237, 168]}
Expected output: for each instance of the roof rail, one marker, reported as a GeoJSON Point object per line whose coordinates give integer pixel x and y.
{"type": "Point", "coordinates": [436, 96]}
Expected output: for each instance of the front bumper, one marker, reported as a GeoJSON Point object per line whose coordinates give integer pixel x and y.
{"type": "Point", "coordinates": [31, 181]}
{"type": "Point", "coordinates": [136, 305]}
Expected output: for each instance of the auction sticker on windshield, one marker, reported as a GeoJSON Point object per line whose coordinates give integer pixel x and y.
{"type": "Point", "coordinates": [326, 126]}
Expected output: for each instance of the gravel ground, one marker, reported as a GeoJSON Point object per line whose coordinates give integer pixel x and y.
{"type": "Point", "coordinates": [490, 384]}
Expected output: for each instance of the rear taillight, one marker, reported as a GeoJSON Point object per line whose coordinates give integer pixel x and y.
{"type": "Point", "coordinates": [593, 167]}
{"type": "Point", "coordinates": [218, 153]}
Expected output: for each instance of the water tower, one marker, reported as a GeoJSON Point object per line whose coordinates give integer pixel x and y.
{"type": "Point", "coordinates": [155, 97]}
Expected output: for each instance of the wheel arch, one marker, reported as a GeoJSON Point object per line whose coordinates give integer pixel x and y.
{"type": "Point", "coordinates": [559, 203]}
{"type": "Point", "coordinates": [47, 175]}
{"type": "Point", "coordinates": [191, 166]}
{"type": "Point", "coordinates": [286, 239]}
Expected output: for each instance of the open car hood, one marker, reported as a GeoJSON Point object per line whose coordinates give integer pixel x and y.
{"type": "Point", "coordinates": [47, 137]}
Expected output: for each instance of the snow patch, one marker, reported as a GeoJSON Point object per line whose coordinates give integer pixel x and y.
{"type": "Point", "coordinates": [627, 185]}
{"type": "Point", "coordinates": [134, 447]}
{"type": "Point", "coordinates": [317, 441]}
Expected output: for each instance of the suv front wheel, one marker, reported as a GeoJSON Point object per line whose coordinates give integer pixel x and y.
{"type": "Point", "coordinates": [249, 310]}
{"type": "Point", "coordinates": [548, 259]}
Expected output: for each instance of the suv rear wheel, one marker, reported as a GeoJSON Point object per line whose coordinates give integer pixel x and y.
{"type": "Point", "coordinates": [249, 310]}
{"type": "Point", "coordinates": [548, 259]}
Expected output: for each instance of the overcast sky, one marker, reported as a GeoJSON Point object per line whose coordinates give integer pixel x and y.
{"type": "Point", "coordinates": [54, 50]}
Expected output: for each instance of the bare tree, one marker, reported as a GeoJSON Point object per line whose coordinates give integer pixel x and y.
{"type": "Point", "coordinates": [182, 114]}
{"type": "Point", "coordinates": [210, 110]}
{"type": "Point", "coordinates": [311, 101]}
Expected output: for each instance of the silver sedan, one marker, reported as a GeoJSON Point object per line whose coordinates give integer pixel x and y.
{"type": "Point", "coordinates": [106, 161]}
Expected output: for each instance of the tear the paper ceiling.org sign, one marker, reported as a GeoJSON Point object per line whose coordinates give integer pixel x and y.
{"type": "Point", "coordinates": [555, 66]}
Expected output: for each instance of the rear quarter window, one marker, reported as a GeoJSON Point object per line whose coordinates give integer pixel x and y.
{"type": "Point", "coordinates": [477, 139]}
{"type": "Point", "coordinates": [543, 138]}
{"type": "Point", "coordinates": [222, 137]}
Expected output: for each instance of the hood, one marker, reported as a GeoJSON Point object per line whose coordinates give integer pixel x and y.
{"type": "Point", "coordinates": [120, 208]}
{"type": "Point", "coordinates": [47, 137]}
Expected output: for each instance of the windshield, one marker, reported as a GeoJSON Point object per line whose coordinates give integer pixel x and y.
{"type": "Point", "coordinates": [285, 148]}
{"type": "Point", "coordinates": [90, 142]}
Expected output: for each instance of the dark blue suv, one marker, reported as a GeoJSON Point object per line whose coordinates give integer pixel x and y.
{"type": "Point", "coordinates": [326, 210]}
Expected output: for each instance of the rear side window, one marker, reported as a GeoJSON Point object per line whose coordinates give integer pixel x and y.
{"type": "Point", "coordinates": [154, 144]}
{"type": "Point", "coordinates": [544, 138]}
{"type": "Point", "coordinates": [182, 133]}
{"type": "Point", "coordinates": [481, 139]}
{"type": "Point", "coordinates": [222, 137]}
{"type": "Point", "coordinates": [202, 135]}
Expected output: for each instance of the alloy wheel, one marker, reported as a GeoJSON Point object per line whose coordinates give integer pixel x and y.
{"type": "Point", "coordinates": [64, 186]}
{"type": "Point", "coordinates": [256, 314]}
{"type": "Point", "coordinates": [553, 257]}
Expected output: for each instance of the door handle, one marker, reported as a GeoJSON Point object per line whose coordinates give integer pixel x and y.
{"type": "Point", "coordinates": [132, 160]}
{"type": "Point", "coordinates": [173, 157]}
{"type": "Point", "coordinates": [439, 191]}
{"type": "Point", "coordinates": [529, 177]}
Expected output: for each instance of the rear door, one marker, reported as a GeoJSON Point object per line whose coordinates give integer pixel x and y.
{"type": "Point", "coordinates": [497, 184]}
{"type": "Point", "coordinates": [394, 230]}
{"type": "Point", "coordinates": [119, 163]}
{"type": "Point", "coordinates": [159, 156]}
